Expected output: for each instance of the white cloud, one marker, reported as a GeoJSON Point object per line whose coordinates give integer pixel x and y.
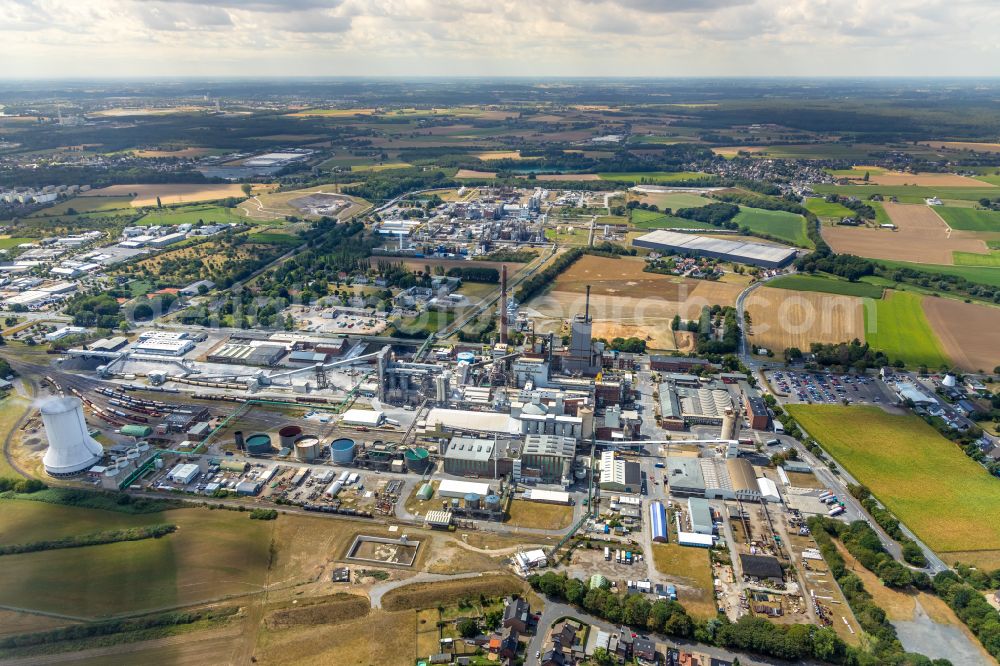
{"type": "Point", "coordinates": [54, 38]}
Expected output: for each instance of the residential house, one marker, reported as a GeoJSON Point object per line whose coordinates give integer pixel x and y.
{"type": "Point", "coordinates": [516, 615]}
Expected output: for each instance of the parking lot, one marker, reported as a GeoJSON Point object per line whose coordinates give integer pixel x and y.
{"type": "Point", "coordinates": [825, 388]}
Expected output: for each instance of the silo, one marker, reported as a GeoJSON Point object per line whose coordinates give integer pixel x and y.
{"type": "Point", "coordinates": [342, 450]}
{"type": "Point", "coordinates": [492, 502]}
{"type": "Point", "coordinates": [288, 434]}
{"type": "Point", "coordinates": [466, 356]}
{"type": "Point", "coordinates": [258, 444]}
{"type": "Point", "coordinates": [307, 448]}
{"type": "Point", "coordinates": [71, 448]}
{"type": "Point", "coordinates": [417, 459]}
{"type": "Point", "coordinates": [472, 501]}
{"type": "Point", "coordinates": [729, 425]}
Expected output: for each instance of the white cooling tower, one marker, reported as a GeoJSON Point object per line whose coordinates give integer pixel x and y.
{"type": "Point", "coordinates": [71, 448]}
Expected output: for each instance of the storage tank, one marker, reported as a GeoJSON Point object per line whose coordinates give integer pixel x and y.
{"type": "Point", "coordinates": [417, 459]}
{"type": "Point", "coordinates": [133, 454]}
{"type": "Point", "coordinates": [342, 450]}
{"type": "Point", "coordinates": [466, 356]}
{"type": "Point", "coordinates": [142, 447]}
{"type": "Point", "coordinates": [258, 444]}
{"type": "Point", "coordinates": [492, 502]}
{"type": "Point", "coordinates": [454, 503]}
{"type": "Point", "coordinates": [288, 435]}
{"type": "Point", "coordinates": [472, 501]}
{"type": "Point", "coordinates": [238, 439]}
{"type": "Point", "coordinates": [71, 448]}
{"type": "Point", "coordinates": [426, 492]}
{"type": "Point", "coordinates": [307, 448]}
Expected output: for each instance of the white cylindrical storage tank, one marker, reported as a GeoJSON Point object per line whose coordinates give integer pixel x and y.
{"type": "Point", "coordinates": [334, 488]}
{"type": "Point", "coordinates": [71, 448]}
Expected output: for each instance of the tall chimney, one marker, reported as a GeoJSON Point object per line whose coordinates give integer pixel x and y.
{"type": "Point", "coordinates": [503, 304]}
{"type": "Point", "coordinates": [586, 309]}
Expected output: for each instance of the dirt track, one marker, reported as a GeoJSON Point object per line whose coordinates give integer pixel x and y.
{"type": "Point", "coordinates": [921, 237]}
{"type": "Point", "coordinates": [965, 331]}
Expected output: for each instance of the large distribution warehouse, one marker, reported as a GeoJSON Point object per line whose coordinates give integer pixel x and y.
{"type": "Point", "coordinates": [756, 254]}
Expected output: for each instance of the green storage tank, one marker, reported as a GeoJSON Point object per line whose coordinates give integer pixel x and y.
{"type": "Point", "coordinates": [417, 459]}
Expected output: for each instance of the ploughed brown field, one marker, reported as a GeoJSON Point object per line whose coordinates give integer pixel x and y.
{"type": "Point", "coordinates": [965, 331]}
{"type": "Point", "coordinates": [924, 179]}
{"type": "Point", "coordinates": [921, 237]}
{"type": "Point", "coordinates": [781, 318]}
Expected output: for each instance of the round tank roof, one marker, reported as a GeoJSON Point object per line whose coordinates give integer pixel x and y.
{"type": "Point", "coordinates": [290, 431]}
{"type": "Point", "coordinates": [342, 444]}
{"type": "Point", "coordinates": [418, 453]}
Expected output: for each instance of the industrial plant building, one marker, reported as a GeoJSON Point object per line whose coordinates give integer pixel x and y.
{"type": "Point", "coordinates": [712, 478]}
{"type": "Point", "coordinates": [755, 254]}
{"type": "Point", "coordinates": [755, 407]}
{"type": "Point", "coordinates": [619, 475]}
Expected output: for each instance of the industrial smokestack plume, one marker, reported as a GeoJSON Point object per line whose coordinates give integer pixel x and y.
{"type": "Point", "coordinates": [503, 304]}
{"type": "Point", "coordinates": [71, 448]}
{"type": "Point", "coordinates": [586, 308]}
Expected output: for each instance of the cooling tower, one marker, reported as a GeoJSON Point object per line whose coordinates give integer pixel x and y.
{"type": "Point", "coordinates": [71, 448]}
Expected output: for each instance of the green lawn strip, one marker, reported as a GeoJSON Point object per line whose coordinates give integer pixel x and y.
{"type": "Point", "coordinates": [969, 219]}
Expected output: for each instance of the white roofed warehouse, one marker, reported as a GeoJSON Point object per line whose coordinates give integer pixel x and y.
{"type": "Point", "coordinates": [755, 254]}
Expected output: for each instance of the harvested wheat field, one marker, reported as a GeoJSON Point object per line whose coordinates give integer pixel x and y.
{"type": "Point", "coordinates": [923, 179]}
{"type": "Point", "coordinates": [569, 177]}
{"type": "Point", "coordinates": [180, 152]}
{"type": "Point", "coordinates": [470, 173]}
{"type": "Point", "coordinates": [965, 145]}
{"type": "Point", "coordinates": [627, 302]}
{"type": "Point", "coordinates": [169, 193]}
{"type": "Point", "coordinates": [963, 329]}
{"type": "Point", "coordinates": [921, 237]}
{"type": "Point", "coordinates": [781, 318]}
{"type": "Point", "coordinates": [503, 155]}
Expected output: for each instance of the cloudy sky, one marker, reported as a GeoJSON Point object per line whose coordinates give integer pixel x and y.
{"type": "Point", "coordinates": [99, 38]}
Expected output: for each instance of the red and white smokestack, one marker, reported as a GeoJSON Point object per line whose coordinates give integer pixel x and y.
{"type": "Point", "coordinates": [503, 304]}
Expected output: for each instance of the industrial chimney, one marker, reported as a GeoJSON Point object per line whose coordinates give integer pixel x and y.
{"type": "Point", "coordinates": [586, 307]}
{"type": "Point", "coordinates": [71, 448]}
{"type": "Point", "coordinates": [503, 304]}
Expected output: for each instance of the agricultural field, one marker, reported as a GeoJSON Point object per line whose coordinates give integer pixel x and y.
{"type": "Point", "coordinates": [827, 284]}
{"type": "Point", "coordinates": [921, 236]}
{"type": "Point", "coordinates": [776, 223]}
{"type": "Point", "coordinates": [647, 219]}
{"type": "Point", "coordinates": [503, 155]}
{"type": "Point", "coordinates": [981, 274]}
{"type": "Point", "coordinates": [178, 152]}
{"type": "Point", "coordinates": [471, 173]}
{"type": "Point", "coordinates": [381, 167]}
{"type": "Point", "coordinates": [6, 242]}
{"type": "Point", "coordinates": [969, 219]}
{"type": "Point", "coordinates": [911, 193]}
{"type": "Point", "coordinates": [565, 234]}
{"type": "Point", "coordinates": [965, 146]}
{"type": "Point", "coordinates": [627, 302]}
{"type": "Point", "coordinates": [332, 113]}
{"type": "Point", "coordinates": [893, 178]}
{"type": "Point", "coordinates": [959, 327]}
{"type": "Point", "coordinates": [655, 176]}
{"type": "Point", "coordinates": [168, 193]}
{"type": "Point", "coordinates": [213, 553]}
{"type": "Point", "coordinates": [823, 208]}
{"type": "Point", "coordinates": [691, 571]}
{"type": "Point", "coordinates": [87, 204]}
{"type": "Point", "coordinates": [899, 328]}
{"type": "Point", "coordinates": [193, 214]}
{"type": "Point", "coordinates": [927, 481]}
{"type": "Point", "coordinates": [782, 318]}
{"type": "Point", "coordinates": [671, 200]}
{"type": "Point", "coordinates": [973, 259]}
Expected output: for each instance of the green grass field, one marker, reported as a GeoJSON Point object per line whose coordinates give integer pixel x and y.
{"type": "Point", "coordinates": [969, 219]}
{"type": "Point", "coordinates": [7, 243]}
{"type": "Point", "coordinates": [823, 208]}
{"type": "Point", "coordinates": [947, 499]}
{"type": "Point", "coordinates": [655, 176]}
{"type": "Point", "coordinates": [881, 217]}
{"type": "Point", "coordinates": [212, 554]}
{"type": "Point", "coordinates": [827, 285]}
{"type": "Point", "coordinates": [980, 274]}
{"type": "Point", "coordinates": [274, 238]}
{"type": "Point", "coordinates": [973, 259]}
{"type": "Point", "coordinates": [901, 331]}
{"type": "Point", "coordinates": [855, 172]}
{"type": "Point", "coordinates": [675, 200]}
{"type": "Point", "coordinates": [645, 219]}
{"type": "Point", "coordinates": [777, 223]}
{"type": "Point", "coordinates": [993, 178]}
{"type": "Point", "coordinates": [191, 215]}
{"type": "Point", "coordinates": [85, 205]}
{"type": "Point", "coordinates": [576, 236]}
{"type": "Point", "coordinates": [909, 193]}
